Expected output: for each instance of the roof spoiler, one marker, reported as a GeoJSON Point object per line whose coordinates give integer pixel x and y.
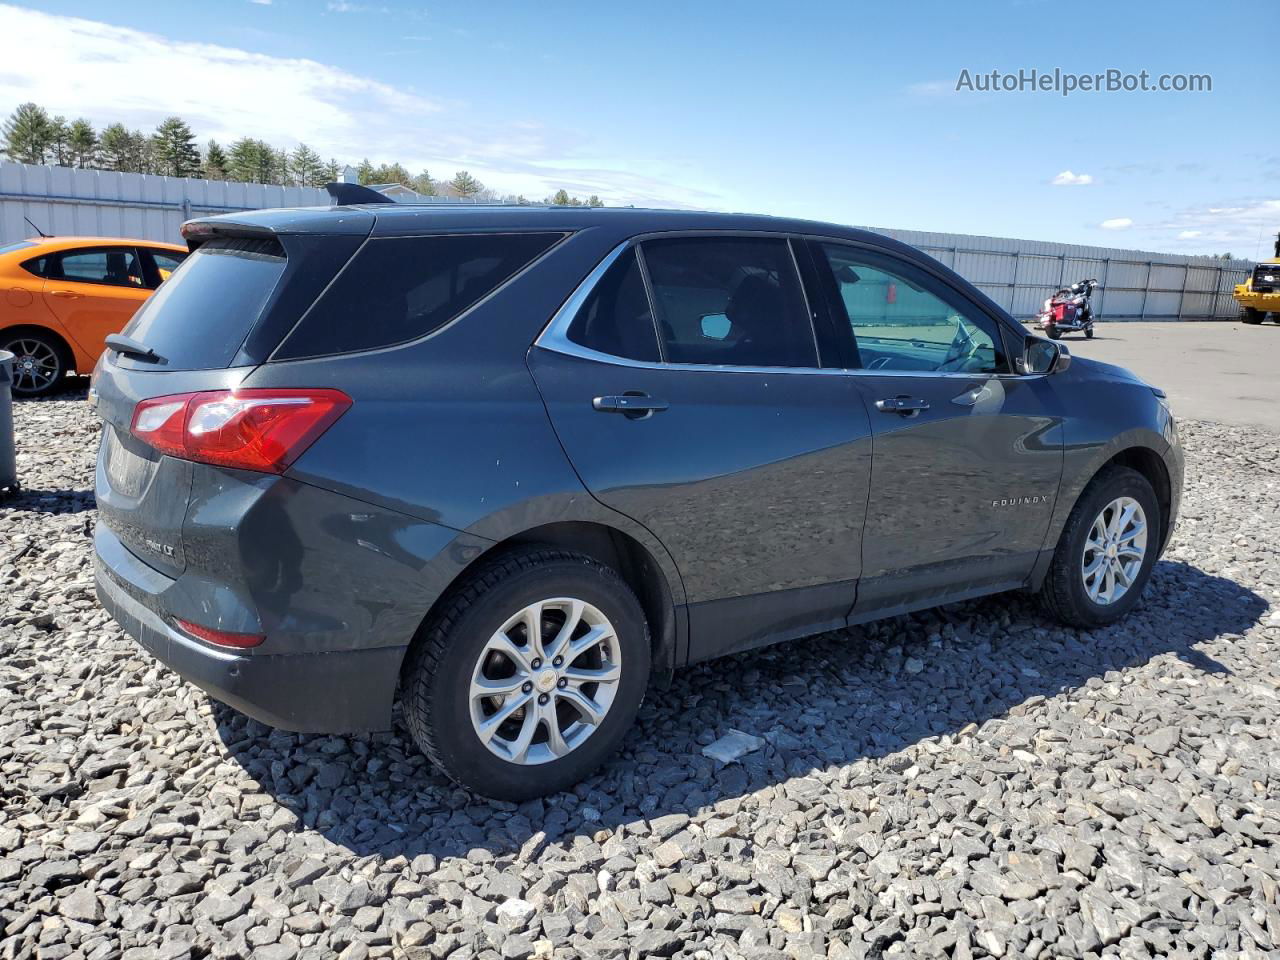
{"type": "Point", "coordinates": [346, 194]}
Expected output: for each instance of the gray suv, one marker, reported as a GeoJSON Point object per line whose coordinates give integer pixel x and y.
{"type": "Point", "coordinates": [508, 464]}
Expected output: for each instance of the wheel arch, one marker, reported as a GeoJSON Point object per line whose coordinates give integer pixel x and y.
{"type": "Point", "coordinates": [633, 561]}
{"type": "Point", "coordinates": [60, 340]}
{"type": "Point", "coordinates": [1151, 465]}
{"type": "Point", "coordinates": [1138, 450]}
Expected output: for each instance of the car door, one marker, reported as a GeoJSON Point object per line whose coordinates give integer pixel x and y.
{"type": "Point", "coordinates": [684, 383]}
{"type": "Point", "coordinates": [94, 291]}
{"type": "Point", "coordinates": [967, 454]}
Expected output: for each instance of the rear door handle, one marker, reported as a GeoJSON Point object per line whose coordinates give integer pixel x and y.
{"type": "Point", "coordinates": [906, 406]}
{"type": "Point", "coordinates": [66, 294]}
{"type": "Point", "coordinates": [634, 405]}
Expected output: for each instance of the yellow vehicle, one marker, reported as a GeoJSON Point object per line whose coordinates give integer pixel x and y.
{"type": "Point", "coordinates": [1260, 294]}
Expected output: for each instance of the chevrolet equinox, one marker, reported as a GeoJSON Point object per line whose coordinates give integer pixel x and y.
{"type": "Point", "coordinates": [508, 464]}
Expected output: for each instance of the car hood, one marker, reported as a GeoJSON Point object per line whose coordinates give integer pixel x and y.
{"type": "Point", "coordinates": [1096, 368]}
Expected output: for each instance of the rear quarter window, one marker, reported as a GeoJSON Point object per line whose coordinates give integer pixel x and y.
{"type": "Point", "coordinates": [198, 318]}
{"type": "Point", "coordinates": [398, 289]}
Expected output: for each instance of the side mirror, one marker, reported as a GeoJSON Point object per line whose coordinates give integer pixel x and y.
{"type": "Point", "coordinates": [1044, 356]}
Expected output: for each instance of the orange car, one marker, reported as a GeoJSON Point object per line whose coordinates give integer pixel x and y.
{"type": "Point", "coordinates": [61, 296]}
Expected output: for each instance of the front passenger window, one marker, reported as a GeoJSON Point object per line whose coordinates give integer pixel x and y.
{"type": "Point", "coordinates": [897, 324]}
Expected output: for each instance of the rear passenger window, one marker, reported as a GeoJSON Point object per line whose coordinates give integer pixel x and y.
{"type": "Point", "coordinates": [730, 300]}
{"type": "Point", "coordinates": [616, 318]}
{"type": "Point", "coordinates": [397, 289]}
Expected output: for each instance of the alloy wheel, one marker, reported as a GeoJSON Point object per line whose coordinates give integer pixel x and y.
{"type": "Point", "coordinates": [1114, 551]}
{"type": "Point", "coordinates": [36, 365]}
{"type": "Point", "coordinates": [545, 681]}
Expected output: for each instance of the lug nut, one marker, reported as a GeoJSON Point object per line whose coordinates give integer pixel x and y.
{"type": "Point", "coordinates": [563, 682]}
{"type": "Point", "coordinates": [526, 687]}
{"type": "Point", "coordinates": [536, 663]}
{"type": "Point", "coordinates": [557, 661]}
{"type": "Point", "coordinates": [542, 698]}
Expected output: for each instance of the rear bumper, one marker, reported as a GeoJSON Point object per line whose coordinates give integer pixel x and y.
{"type": "Point", "coordinates": [309, 692]}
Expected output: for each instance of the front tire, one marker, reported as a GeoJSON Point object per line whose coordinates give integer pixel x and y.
{"type": "Point", "coordinates": [1106, 552]}
{"type": "Point", "coordinates": [1054, 333]}
{"type": "Point", "coordinates": [529, 676]}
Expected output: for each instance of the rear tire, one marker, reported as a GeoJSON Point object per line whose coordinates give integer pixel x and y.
{"type": "Point", "coordinates": [1054, 333]}
{"type": "Point", "coordinates": [479, 699]}
{"type": "Point", "coordinates": [1252, 316]}
{"type": "Point", "coordinates": [1066, 593]}
{"type": "Point", "coordinates": [1088, 333]}
{"type": "Point", "coordinates": [40, 364]}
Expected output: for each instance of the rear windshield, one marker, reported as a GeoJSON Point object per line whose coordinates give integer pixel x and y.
{"type": "Point", "coordinates": [201, 314]}
{"type": "Point", "coordinates": [401, 288]}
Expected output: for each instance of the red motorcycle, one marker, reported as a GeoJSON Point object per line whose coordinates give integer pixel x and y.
{"type": "Point", "coordinates": [1069, 310]}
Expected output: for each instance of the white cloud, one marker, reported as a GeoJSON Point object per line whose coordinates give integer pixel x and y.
{"type": "Point", "coordinates": [1116, 223]}
{"type": "Point", "coordinates": [108, 73]}
{"type": "Point", "coordinates": [1068, 179]}
{"type": "Point", "coordinates": [1189, 234]}
{"type": "Point", "coordinates": [261, 3]}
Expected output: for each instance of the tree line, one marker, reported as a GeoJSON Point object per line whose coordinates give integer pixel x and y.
{"type": "Point", "coordinates": [31, 135]}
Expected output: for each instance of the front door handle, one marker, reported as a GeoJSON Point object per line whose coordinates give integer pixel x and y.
{"type": "Point", "coordinates": [635, 406]}
{"type": "Point", "coordinates": [66, 294]}
{"type": "Point", "coordinates": [906, 406]}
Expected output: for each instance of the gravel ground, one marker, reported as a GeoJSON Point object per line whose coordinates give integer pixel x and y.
{"type": "Point", "coordinates": [964, 782]}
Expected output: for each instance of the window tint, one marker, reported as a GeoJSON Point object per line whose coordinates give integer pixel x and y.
{"type": "Point", "coordinates": [401, 288]}
{"type": "Point", "coordinates": [165, 262]}
{"type": "Point", "coordinates": [199, 318]}
{"type": "Point", "coordinates": [899, 325]}
{"type": "Point", "coordinates": [616, 319]}
{"type": "Point", "coordinates": [730, 300]}
{"type": "Point", "coordinates": [38, 265]}
{"type": "Point", "coordinates": [119, 267]}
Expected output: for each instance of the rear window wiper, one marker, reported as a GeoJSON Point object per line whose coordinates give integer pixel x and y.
{"type": "Point", "coordinates": [132, 348]}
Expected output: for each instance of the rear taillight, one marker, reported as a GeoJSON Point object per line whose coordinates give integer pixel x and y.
{"type": "Point", "coordinates": [261, 429]}
{"type": "Point", "coordinates": [223, 638]}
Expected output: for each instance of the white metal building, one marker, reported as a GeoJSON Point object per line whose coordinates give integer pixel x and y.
{"type": "Point", "coordinates": [1017, 274]}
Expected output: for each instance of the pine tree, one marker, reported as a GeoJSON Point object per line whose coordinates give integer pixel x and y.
{"type": "Point", "coordinates": [364, 172]}
{"type": "Point", "coordinates": [391, 173]}
{"type": "Point", "coordinates": [423, 184]}
{"type": "Point", "coordinates": [142, 155]}
{"type": "Point", "coordinates": [332, 171]}
{"type": "Point", "coordinates": [251, 161]}
{"type": "Point", "coordinates": [215, 162]}
{"type": "Point", "coordinates": [60, 142]}
{"type": "Point", "coordinates": [306, 167]}
{"type": "Point", "coordinates": [173, 149]}
{"type": "Point", "coordinates": [82, 144]}
{"type": "Point", "coordinates": [28, 134]}
{"type": "Point", "coordinates": [116, 148]}
{"type": "Point", "coordinates": [594, 201]}
{"type": "Point", "coordinates": [560, 198]}
{"type": "Point", "coordinates": [465, 185]}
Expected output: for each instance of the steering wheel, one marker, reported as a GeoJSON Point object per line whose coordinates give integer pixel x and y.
{"type": "Point", "coordinates": [964, 346]}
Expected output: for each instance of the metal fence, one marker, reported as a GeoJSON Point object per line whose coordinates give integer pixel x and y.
{"type": "Point", "coordinates": [1017, 274]}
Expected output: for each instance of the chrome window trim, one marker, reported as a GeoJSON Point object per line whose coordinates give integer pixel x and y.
{"type": "Point", "coordinates": [554, 335]}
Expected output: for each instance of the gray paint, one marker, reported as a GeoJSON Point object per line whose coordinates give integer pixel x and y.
{"type": "Point", "coordinates": [771, 502]}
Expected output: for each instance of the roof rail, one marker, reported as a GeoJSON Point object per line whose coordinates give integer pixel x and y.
{"type": "Point", "coordinates": [344, 194]}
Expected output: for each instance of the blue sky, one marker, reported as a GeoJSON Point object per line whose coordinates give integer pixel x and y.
{"type": "Point", "coordinates": [840, 111]}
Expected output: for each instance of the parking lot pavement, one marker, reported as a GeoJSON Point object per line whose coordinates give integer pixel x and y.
{"type": "Point", "coordinates": [971, 781]}
{"type": "Point", "coordinates": [1223, 371]}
